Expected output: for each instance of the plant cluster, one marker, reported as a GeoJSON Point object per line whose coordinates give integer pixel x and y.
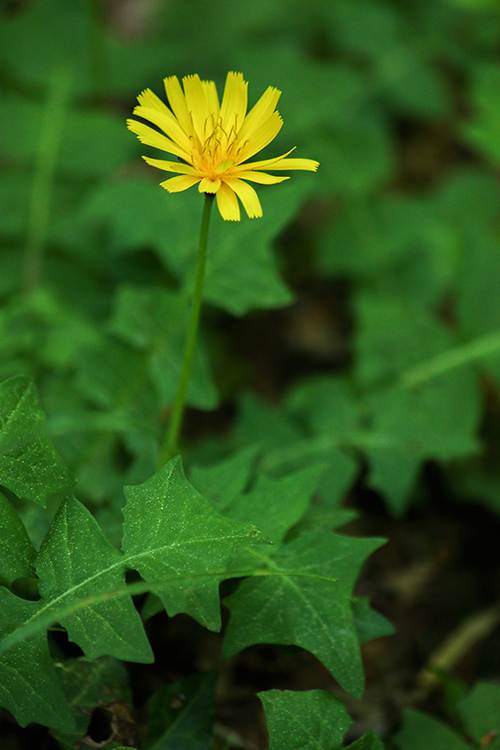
{"type": "Point", "coordinates": [349, 340]}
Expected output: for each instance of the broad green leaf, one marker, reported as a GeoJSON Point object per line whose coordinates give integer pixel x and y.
{"type": "Point", "coordinates": [301, 596]}
{"type": "Point", "coordinates": [309, 720]}
{"type": "Point", "coordinates": [17, 554]}
{"type": "Point", "coordinates": [29, 687]}
{"type": "Point", "coordinates": [480, 710]}
{"type": "Point", "coordinates": [68, 572]}
{"type": "Point", "coordinates": [29, 465]}
{"type": "Point", "coordinates": [419, 730]}
{"type": "Point", "coordinates": [182, 714]}
{"type": "Point", "coordinates": [171, 531]}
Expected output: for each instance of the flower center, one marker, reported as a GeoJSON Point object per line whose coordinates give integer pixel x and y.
{"type": "Point", "coordinates": [218, 151]}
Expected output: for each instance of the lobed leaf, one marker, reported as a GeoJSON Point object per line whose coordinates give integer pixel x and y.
{"type": "Point", "coordinates": [302, 596]}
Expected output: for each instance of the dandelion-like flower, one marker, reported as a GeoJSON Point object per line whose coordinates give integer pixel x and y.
{"type": "Point", "coordinates": [213, 140]}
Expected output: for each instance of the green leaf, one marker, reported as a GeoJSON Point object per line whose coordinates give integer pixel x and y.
{"type": "Point", "coordinates": [68, 572]}
{"type": "Point", "coordinates": [302, 596]}
{"type": "Point", "coordinates": [309, 720]}
{"type": "Point", "coordinates": [480, 710]}
{"type": "Point", "coordinates": [369, 741]}
{"type": "Point", "coordinates": [173, 537]}
{"type": "Point", "coordinates": [482, 130]}
{"type": "Point", "coordinates": [182, 715]}
{"type": "Point", "coordinates": [17, 554]}
{"type": "Point", "coordinates": [156, 321]}
{"type": "Point", "coordinates": [171, 531]}
{"type": "Point", "coordinates": [222, 482]}
{"type": "Point", "coordinates": [93, 142]}
{"type": "Point", "coordinates": [419, 730]}
{"type": "Point", "coordinates": [369, 623]}
{"type": "Point", "coordinates": [29, 465]}
{"type": "Point", "coordinates": [277, 505]}
{"type": "Point", "coordinates": [29, 687]}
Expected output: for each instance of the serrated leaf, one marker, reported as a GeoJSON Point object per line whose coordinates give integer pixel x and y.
{"type": "Point", "coordinates": [182, 714]}
{"type": "Point", "coordinates": [302, 597]}
{"type": "Point", "coordinates": [67, 571]}
{"type": "Point", "coordinates": [17, 554]}
{"type": "Point", "coordinates": [309, 720]}
{"type": "Point", "coordinates": [29, 465]}
{"type": "Point", "coordinates": [173, 537]}
{"type": "Point", "coordinates": [29, 687]}
{"type": "Point", "coordinates": [171, 531]}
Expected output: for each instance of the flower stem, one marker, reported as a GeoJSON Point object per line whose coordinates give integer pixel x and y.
{"type": "Point", "coordinates": [45, 166]}
{"type": "Point", "coordinates": [169, 449]}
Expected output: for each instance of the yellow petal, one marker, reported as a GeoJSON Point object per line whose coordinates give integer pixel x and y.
{"type": "Point", "coordinates": [209, 186]}
{"type": "Point", "coordinates": [165, 120]}
{"type": "Point", "coordinates": [309, 165]}
{"type": "Point", "coordinates": [261, 177]}
{"type": "Point", "coordinates": [198, 107]}
{"type": "Point", "coordinates": [177, 102]}
{"type": "Point", "coordinates": [149, 99]}
{"type": "Point", "coordinates": [264, 164]}
{"type": "Point", "coordinates": [234, 102]}
{"type": "Point", "coordinates": [259, 113]}
{"type": "Point", "coordinates": [261, 137]}
{"type": "Point", "coordinates": [212, 98]}
{"type": "Point", "coordinates": [227, 203]}
{"type": "Point", "coordinates": [172, 166]}
{"type": "Point", "coordinates": [247, 196]}
{"type": "Point", "coordinates": [177, 184]}
{"type": "Point", "coordinates": [152, 138]}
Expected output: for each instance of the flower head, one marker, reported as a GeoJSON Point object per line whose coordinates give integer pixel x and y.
{"type": "Point", "coordinates": [213, 140]}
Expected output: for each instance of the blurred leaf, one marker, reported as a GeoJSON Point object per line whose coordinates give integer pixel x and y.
{"type": "Point", "coordinates": [482, 131]}
{"type": "Point", "coordinates": [156, 321]}
{"type": "Point", "coordinates": [93, 143]}
{"type": "Point", "coordinates": [29, 465]}
{"type": "Point", "coordinates": [419, 730]}
{"type": "Point", "coordinates": [88, 684]}
{"type": "Point", "coordinates": [480, 711]}
{"type": "Point", "coordinates": [277, 505]}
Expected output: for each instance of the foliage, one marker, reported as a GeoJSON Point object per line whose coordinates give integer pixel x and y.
{"type": "Point", "coordinates": [400, 103]}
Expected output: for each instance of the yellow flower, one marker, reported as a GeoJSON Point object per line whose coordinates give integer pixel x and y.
{"type": "Point", "coordinates": [213, 141]}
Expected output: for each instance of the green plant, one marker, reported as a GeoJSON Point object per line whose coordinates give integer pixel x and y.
{"type": "Point", "coordinates": [348, 348]}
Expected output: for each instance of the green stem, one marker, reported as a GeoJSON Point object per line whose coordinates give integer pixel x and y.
{"type": "Point", "coordinates": [459, 356]}
{"type": "Point", "coordinates": [46, 161]}
{"type": "Point", "coordinates": [169, 449]}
